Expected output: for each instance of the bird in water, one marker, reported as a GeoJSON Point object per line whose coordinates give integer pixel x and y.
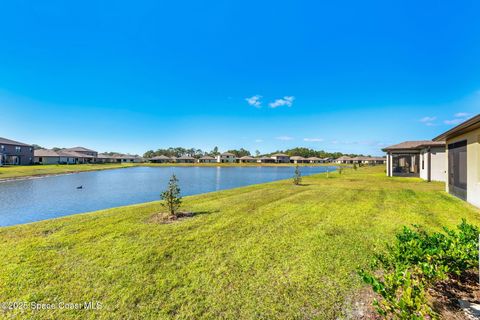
{"type": "Point", "coordinates": [81, 187]}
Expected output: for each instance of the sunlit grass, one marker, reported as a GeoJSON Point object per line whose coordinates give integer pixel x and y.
{"type": "Point", "coordinates": [267, 251]}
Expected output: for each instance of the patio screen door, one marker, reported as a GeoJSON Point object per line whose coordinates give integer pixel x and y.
{"type": "Point", "coordinates": [457, 169]}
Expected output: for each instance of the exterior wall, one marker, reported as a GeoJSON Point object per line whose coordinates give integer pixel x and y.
{"type": "Point", "coordinates": [473, 165]}
{"type": "Point", "coordinates": [281, 159]}
{"type": "Point", "coordinates": [229, 159]}
{"type": "Point", "coordinates": [438, 164]}
{"type": "Point", "coordinates": [24, 155]}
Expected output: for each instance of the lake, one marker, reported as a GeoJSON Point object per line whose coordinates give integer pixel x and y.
{"type": "Point", "coordinates": [23, 201]}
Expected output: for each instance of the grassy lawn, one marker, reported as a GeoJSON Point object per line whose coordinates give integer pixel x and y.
{"type": "Point", "coordinates": [10, 172]}
{"type": "Point", "coordinates": [267, 251]}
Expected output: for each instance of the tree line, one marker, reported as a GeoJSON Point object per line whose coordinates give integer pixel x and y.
{"type": "Point", "coordinates": [198, 153]}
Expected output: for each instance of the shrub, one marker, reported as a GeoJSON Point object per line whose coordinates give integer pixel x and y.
{"type": "Point", "coordinates": [171, 197]}
{"type": "Point", "coordinates": [414, 263]}
{"type": "Point", "coordinates": [340, 170]}
{"type": "Point", "coordinates": [297, 177]}
{"type": "Point", "coordinates": [354, 166]}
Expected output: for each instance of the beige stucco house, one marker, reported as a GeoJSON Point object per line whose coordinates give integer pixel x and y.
{"type": "Point", "coordinates": [463, 160]}
{"type": "Point", "coordinates": [226, 157]}
{"type": "Point", "coordinates": [424, 159]}
{"type": "Point", "coordinates": [281, 158]}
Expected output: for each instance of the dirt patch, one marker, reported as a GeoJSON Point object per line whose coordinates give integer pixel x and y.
{"type": "Point", "coordinates": [445, 295]}
{"type": "Point", "coordinates": [445, 299]}
{"type": "Point", "coordinates": [163, 217]}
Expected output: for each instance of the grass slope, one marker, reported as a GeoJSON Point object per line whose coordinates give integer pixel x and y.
{"type": "Point", "coordinates": [267, 251]}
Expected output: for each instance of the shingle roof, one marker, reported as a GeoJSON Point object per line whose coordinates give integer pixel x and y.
{"type": "Point", "coordinates": [79, 149]}
{"type": "Point", "coordinates": [227, 154]}
{"type": "Point", "coordinates": [413, 145]}
{"type": "Point", "coordinates": [161, 157]}
{"type": "Point", "coordinates": [297, 158]}
{"type": "Point", "coordinates": [207, 158]}
{"type": "Point", "coordinates": [186, 158]}
{"type": "Point", "coordinates": [12, 142]}
{"type": "Point", "coordinates": [343, 158]}
{"type": "Point", "coordinates": [67, 152]}
{"type": "Point", "coordinates": [247, 158]}
{"type": "Point", "coordinates": [45, 153]}
{"type": "Point", "coordinates": [280, 155]}
{"type": "Point", "coordinates": [313, 158]}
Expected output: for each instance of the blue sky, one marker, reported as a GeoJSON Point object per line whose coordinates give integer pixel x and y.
{"type": "Point", "coordinates": [130, 76]}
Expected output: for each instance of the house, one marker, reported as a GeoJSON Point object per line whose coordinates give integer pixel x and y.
{"type": "Point", "coordinates": [160, 159]}
{"type": "Point", "coordinates": [89, 156]}
{"type": "Point", "coordinates": [298, 159]}
{"type": "Point", "coordinates": [226, 157]}
{"type": "Point", "coordinates": [265, 160]}
{"type": "Point", "coordinates": [126, 158]}
{"type": "Point", "coordinates": [247, 159]}
{"type": "Point", "coordinates": [207, 159]}
{"type": "Point", "coordinates": [377, 160]}
{"type": "Point", "coordinates": [463, 160]}
{"type": "Point", "coordinates": [315, 160]}
{"type": "Point", "coordinates": [185, 159]}
{"type": "Point", "coordinates": [15, 153]}
{"type": "Point", "coordinates": [281, 158]}
{"type": "Point", "coordinates": [424, 159]}
{"type": "Point", "coordinates": [105, 158]}
{"type": "Point", "coordinates": [344, 159]}
{"type": "Point", "coordinates": [46, 156]}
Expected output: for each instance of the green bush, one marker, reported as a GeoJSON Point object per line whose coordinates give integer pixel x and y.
{"type": "Point", "coordinates": [414, 263]}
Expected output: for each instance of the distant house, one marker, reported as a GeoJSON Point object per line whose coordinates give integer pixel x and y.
{"type": "Point", "coordinates": [281, 158]}
{"type": "Point", "coordinates": [15, 153]}
{"type": "Point", "coordinates": [463, 160]}
{"type": "Point", "coordinates": [105, 158]}
{"type": "Point", "coordinates": [314, 160]}
{"type": "Point", "coordinates": [424, 159]}
{"type": "Point", "coordinates": [185, 159]}
{"type": "Point", "coordinates": [265, 160]}
{"type": "Point", "coordinates": [226, 157]}
{"type": "Point", "coordinates": [126, 158]}
{"type": "Point", "coordinates": [160, 159]}
{"type": "Point", "coordinates": [344, 159]}
{"type": "Point", "coordinates": [46, 156]}
{"type": "Point", "coordinates": [207, 159]}
{"type": "Point", "coordinates": [247, 159]}
{"type": "Point", "coordinates": [298, 159]}
{"type": "Point", "coordinates": [83, 151]}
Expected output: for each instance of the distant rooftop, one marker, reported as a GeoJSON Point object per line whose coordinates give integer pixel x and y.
{"type": "Point", "coordinates": [79, 149]}
{"type": "Point", "coordinates": [12, 142]}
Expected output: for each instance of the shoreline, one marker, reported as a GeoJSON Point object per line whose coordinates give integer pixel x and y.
{"type": "Point", "coordinates": [133, 165]}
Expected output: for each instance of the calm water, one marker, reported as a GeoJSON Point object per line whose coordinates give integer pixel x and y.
{"type": "Point", "coordinates": [25, 201]}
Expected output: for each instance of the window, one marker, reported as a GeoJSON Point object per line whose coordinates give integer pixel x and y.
{"type": "Point", "coordinates": [2, 147]}
{"type": "Point", "coordinates": [18, 149]}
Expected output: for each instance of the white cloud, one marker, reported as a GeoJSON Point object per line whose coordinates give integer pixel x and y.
{"type": "Point", "coordinates": [459, 118]}
{"type": "Point", "coordinates": [254, 101]}
{"type": "Point", "coordinates": [258, 140]}
{"type": "Point", "coordinates": [313, 139]}
{"type": "Point", "coordinates": [428, 119]}
{"type": "Point", "coordinates": [285, 101]}
{"type": "Point", "coordinates": [454, 121]}
{"type": "Point", "coordinates": [284, 138]}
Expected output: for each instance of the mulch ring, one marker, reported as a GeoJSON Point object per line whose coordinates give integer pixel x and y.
{"type": "Point", "coordinates": [163, 217]}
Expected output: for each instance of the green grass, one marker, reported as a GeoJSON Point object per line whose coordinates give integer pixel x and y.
{"type": "Point", "coordinates": [267, 251]}
{"type": "Point", "coordinates": [13, 172]}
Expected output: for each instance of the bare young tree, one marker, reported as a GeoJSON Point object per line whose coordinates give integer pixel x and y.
{"type": "Point", "coordinates": [171, 197]}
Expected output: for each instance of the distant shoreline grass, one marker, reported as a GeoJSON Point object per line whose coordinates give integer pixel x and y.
{"type": "Point", "coordinates": [25, 172]}
{"type": "Point", "coordinates": [270, 251]}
